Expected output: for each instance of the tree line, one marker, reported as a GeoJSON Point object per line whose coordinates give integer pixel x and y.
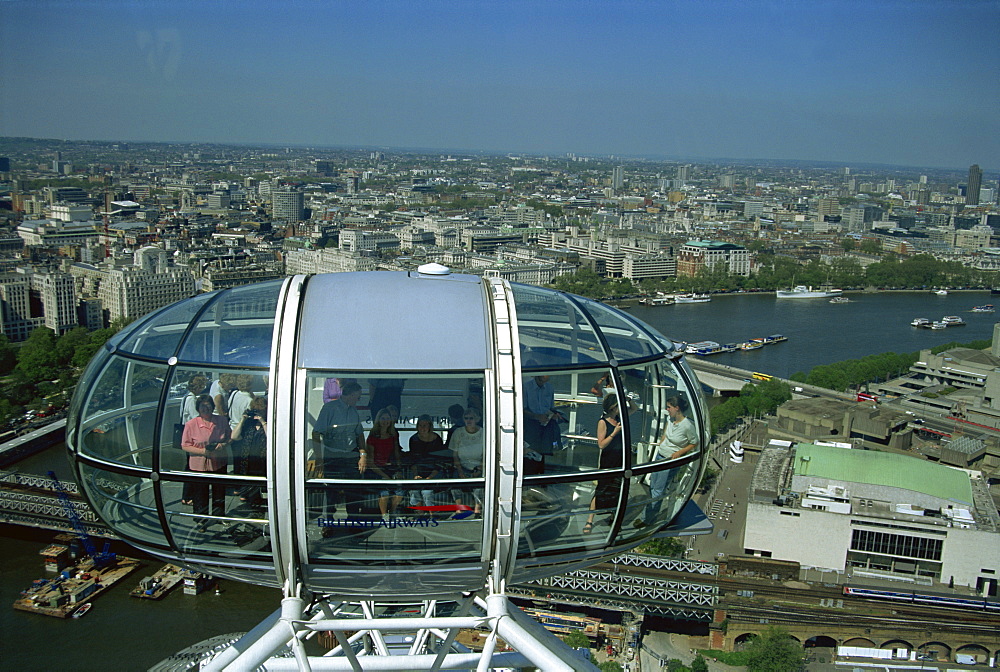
{"type": "Point", "coordinates": [777, 272]}
{"type": "Point", "coordinates": [42, 370]}
{"type": "Point", "coordinates": [853, 373]}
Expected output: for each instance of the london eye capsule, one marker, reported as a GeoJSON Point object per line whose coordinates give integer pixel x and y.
{"type": "Point", "coordinates": [390, 436]}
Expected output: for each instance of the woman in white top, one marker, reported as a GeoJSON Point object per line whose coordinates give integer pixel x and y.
{"type": "Point", "coordinates": [467, 446]}
{"type": "Point", "coordinates": [680, 439]}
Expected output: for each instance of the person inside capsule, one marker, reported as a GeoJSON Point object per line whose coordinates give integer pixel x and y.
{"type": "Point", "coordinates": [679, 439]}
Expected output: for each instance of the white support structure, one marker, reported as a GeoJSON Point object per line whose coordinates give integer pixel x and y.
{"type": "Point", "coordinates": [431, 643]}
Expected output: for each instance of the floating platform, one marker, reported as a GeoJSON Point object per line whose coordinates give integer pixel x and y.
{"type": "Point", "coordinates": [705, 348]}
{"type": "Point", "coordinates": [60, 596]}
{"type": "Point", "coordinates": [160, 583]}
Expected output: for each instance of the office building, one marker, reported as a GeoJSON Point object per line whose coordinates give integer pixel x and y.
{"type": "Point", "coordinates": [30, 299]}
{"type": "Point", "coordinates": [288, 205]}
{"type": "Point", "coordinates": [698, 254]}
{"type": "Point", "coordinates": [975, 182]}
{"type": "Point", "coordinates": [618, 178]}
{"type": "Point", "coordinates": [54, 233]}
{"type": "Point", "coordinates": [129, 291]}
{"type": "Point", "coordinates": [17, 320]}
{"type": "Point", "coordinates": [71, 212]}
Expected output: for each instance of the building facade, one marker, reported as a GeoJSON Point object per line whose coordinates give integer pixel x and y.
{"type": "Point", "coordinates": [881, 515]}
{"type": "Point", "coordinates": [975, 182]}
{"type": "Point", "coordinates": [288, 205]}
{"type": "Point", "coordinates": [698, 254]}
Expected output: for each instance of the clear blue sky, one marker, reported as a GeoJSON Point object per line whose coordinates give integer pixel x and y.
{"type": "Point", "coordinates": [912, 82]}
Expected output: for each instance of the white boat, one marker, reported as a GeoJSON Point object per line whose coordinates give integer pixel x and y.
{"type": "Point", "coordinates": [660, 299]}
{"type": "Point", "coordinates": [953, 320]}
{"type": "Point", "coordinates": [985, 308]}
{"type": "Point", "coordinates": [920, 322]}
{"type": "Point", "coordinates": [696, 348]}
{"type": "Point", "coordinates": [82, 609]}
{"type": "Point", "coordinates": [840, 299]}
{"type": "Point", "coordinates": [939, 325]}
{"type": "Point", "coordinates": [941, 292]}
{"type": "Point", "coordinates": [803, 292]}
{"type": "Point", "coordinates": [692, 298]}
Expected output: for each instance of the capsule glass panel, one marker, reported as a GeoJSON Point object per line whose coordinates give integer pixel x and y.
{"type": "Point", "coordinates": [126, 502]}
{"type": "Point", "coordinates": [417, 495]}
{"type": "Point", "coordinates": [553, 330]}
{"type": "Point", "coordinates": [122, 412]}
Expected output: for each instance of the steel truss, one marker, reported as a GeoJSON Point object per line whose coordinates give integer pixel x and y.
{"type": "Point", "coordinates": [615, 603]}
{"type": "Point", "coordinates": [668, 564]}
{"type": "Point", "coordinates": [365, 640]}
{"type": "Point", "coordinates": [637, 587]}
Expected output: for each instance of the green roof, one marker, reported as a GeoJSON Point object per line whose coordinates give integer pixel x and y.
{"type": "Point", "coordinates": [886, 469]}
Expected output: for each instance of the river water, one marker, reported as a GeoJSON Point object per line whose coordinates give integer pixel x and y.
{"type": "Point", "coordinates": [818, 331]}
{"type": "Point", "coordinates": [124, 633]}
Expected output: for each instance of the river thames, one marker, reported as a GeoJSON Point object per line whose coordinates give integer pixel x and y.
{"type": "Point", "coordinates": [818, 331]}
{"type": "Point", "coordinates": [124, 633]}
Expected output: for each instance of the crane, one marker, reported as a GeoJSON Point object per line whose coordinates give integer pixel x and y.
{"type": "Point", "coordinates": [102, 559]}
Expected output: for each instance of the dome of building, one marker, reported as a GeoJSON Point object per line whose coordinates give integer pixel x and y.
{"type": "Point", "coordinates": [226, 432]}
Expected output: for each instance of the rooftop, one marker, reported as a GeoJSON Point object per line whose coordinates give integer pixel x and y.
{"type": "Point", "coordinates": [885, 469]}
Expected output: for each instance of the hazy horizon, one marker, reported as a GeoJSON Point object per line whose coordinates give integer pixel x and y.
{"type": "Point", "coordinates": [894, 83]}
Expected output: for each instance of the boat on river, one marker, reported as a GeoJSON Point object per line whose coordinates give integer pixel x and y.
{"type": "Point", "coordinates": [660, 299]}
{"type": "Point", "coordinates": [985, 308]}
{"type": "Point", "coordinates": [941, 292]}
{"type": "Point", "coordinates": [920, 322]}
{"type": "Point", "coordinates": [803, 292]}
{"type": "Point", "coordinates": [840, 299]}
{"type": "Point", "coordinates": [953, 321]}
{"type": "Point", "coordinates": [752, 344]}
{"type": "Point", "coordinates": [692, 298]}
{"type": "Point", "coordinates": [82, 610]}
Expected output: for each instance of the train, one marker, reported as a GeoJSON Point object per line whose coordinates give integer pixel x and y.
{"type": "Point", "coordinates": [990, 604]}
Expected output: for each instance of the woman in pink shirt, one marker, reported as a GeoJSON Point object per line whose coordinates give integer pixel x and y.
{"type": "Point", "coordinates": [205, 438]}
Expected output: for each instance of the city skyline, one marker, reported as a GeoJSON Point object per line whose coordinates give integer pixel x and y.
{"type": "Point", "coordinates": [837, 81]}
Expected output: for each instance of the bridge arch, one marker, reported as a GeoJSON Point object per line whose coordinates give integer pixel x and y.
{"type": "Point", "coordinates": [823, 641]}
{"type": "Point", "coordinates": [981, 653]}
{"type": "Point", "coordinates": [896, 644]}
{"type": "Point", "coordinates": [744, 639]}
{"type": "Point", "coordinates": [860, 642]}
{"type": "Point", "coordinates": [936, 650]}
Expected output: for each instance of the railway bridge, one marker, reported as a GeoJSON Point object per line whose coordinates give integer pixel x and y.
{"type": "Point", "coordinates": [936, 637]}
{"type": "Point", "coordinates": [614, 586]}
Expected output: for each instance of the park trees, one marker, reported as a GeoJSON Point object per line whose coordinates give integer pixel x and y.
{"type": "Point", "coordinates": [774, 651]}
{"type": "Point", "coordinates": [37, 359]}
{"type": "Point", "coordinates": [8, 356]}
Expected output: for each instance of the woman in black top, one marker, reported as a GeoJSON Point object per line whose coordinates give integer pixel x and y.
{"type": "Point", "coordinates": [609, 440]}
